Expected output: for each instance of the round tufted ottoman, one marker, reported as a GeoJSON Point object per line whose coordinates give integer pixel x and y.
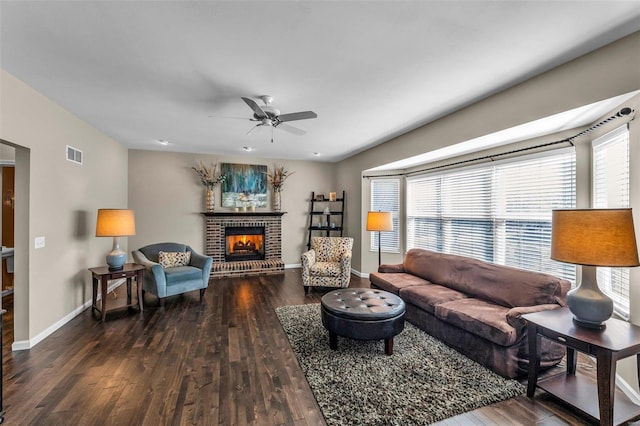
{"type": "Point", "coordinates": [362, 313]}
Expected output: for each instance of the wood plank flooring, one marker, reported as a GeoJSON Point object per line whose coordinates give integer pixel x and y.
{"type": "Point", "coordinates": [224, 362]}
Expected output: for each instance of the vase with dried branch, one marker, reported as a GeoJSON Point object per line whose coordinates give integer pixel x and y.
{"type": "Point", "coordinates": [209, 178]}
{"type": "Point", "coordinates": [276, 179]}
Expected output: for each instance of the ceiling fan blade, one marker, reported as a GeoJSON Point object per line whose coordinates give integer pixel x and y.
{"type": "Point", "coordinates": [291, 129]}
{"type": "Point", "coordinates": [253, 128]}
{"type": "Point", "coordinates": [255, 107]}
{"type": "Point", "coordinates": [302, 115]}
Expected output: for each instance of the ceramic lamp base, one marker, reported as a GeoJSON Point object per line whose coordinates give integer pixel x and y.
{"type": "Point", "coordinates": [116, 257]}
{"type": "Point", "coordinates": [589, 306]}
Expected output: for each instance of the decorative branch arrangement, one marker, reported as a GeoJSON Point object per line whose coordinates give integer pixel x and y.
{"type": "Point", "coordinates": [209, 177]}
{"type": "Point", "coordinates": [277, 178]}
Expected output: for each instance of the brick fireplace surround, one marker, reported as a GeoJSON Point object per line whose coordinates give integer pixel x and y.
{"type": "Point", "coordinates": [215, 223]}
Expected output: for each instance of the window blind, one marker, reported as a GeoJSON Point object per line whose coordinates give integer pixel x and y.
{"type": "Point", "coordinates": [611, 190]}
{"type": "Point", "coordinates": [385, 197]}
{"type": "Point", "coordinates": [498, 212]}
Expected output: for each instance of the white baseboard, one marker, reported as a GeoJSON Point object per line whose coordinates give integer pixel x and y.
{"type": "Point", "coordinates": [293, 266]}
{"type": "Point", "coordinates": [360, 274]}
{"type": "Point", "coordinates": [628, 390]}
{"type": "Point", "coordinates": [22, 345]}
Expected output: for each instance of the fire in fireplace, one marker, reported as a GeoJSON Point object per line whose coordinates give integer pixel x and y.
{"type": "Point", "coordinates": [244, 243]}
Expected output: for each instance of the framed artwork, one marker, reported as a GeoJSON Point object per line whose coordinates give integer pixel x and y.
{"type": "Point", "coordinates": [320, 197]}
{"type": "Point", "coordinates": [332, 196]}
{"type": "Point", "coordinates": [245, 186]}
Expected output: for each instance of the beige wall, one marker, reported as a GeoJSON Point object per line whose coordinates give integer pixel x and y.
{"type": "Point", "coordinates": [58, 200]}
{"type": "Point", "coordinates": [168, 198]}
{"type": "Point", "coordinates": [602, 74]}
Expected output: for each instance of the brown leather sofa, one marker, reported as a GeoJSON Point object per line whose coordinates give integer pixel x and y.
{"type": "Point", "coordinates": [475, 307]}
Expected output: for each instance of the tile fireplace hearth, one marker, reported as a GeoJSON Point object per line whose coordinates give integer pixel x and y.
{"type": "Point", "coordinates": [252, 245]}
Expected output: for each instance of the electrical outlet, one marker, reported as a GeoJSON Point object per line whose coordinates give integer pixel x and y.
{"type": "Point", "coordinates": [39, 242]}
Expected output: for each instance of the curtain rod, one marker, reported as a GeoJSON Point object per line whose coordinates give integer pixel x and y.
{"type": "Point", "coordinates": [623, 112]}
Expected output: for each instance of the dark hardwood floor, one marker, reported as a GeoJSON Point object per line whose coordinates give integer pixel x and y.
{"type": "Point", "coordinates": [226, 361]}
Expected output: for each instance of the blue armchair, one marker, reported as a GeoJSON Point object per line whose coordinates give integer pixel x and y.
{"type": "Point", "coordinates": [172, 280]}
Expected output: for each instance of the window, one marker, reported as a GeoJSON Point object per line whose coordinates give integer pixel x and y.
{"type": "Point", "coordinates": [385, 197]}
{"type": "Point", "coordinates": [498, 212]}
{"type": "Point", "coordinates": [610, 190]}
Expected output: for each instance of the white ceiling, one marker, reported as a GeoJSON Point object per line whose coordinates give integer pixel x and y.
{"type": "Point", "coordinates": [146, 70]}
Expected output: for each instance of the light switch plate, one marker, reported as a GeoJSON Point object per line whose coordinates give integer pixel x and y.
{"type": "Point", "coordinates": [39, 242]}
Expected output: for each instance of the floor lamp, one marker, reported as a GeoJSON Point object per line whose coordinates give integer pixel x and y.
{"type": "Point", "coordinates": [379, 221]}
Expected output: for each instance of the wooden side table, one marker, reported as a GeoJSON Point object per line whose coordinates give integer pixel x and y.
{"type": "Point", "coordinates": [617, 341]}
{"type": "Point", "coordinates": [102, 275]}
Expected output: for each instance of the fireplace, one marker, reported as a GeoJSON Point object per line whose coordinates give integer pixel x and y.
{"type": "Point", "coordinates": [244, 243]}
{"type": "Point", "coordinates": [253, 254]}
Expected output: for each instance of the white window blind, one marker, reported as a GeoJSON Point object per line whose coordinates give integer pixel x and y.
{"type": "Point", "coordinates": [611, 190]}
{"type": "Point", "coordinates": [385, 197]}
{"type": "Point", "coordinates": [499, 212]}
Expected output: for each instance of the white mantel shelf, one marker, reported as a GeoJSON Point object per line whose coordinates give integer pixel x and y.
{"type": "Point", "coordinates": [240, 214]}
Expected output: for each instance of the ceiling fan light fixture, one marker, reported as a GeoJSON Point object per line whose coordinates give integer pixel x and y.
{"type": "Point", "coordinates": [267, 122]}
{"type": "Point", "coordinates": [248, 148]}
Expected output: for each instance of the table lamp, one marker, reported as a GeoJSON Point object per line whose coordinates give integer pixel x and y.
{"type": "Point", "coordinates": [115, 223]}
{"type": "Point", "coordinates": [379, 221]}
{"type": "Point", "coordinates": [591, 238]}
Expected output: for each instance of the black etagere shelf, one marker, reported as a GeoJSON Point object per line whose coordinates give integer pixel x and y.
{"type": "Point", "coordinates": [327, 223]}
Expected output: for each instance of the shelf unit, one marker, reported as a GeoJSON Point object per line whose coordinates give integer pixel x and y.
{"type": "Point", "coordinates": [322, 222]}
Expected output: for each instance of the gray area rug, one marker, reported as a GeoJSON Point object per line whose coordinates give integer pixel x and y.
{"type": "Point", "coordinates": [424, 381]}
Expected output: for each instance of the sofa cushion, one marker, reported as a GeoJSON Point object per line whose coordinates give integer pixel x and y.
{"type": "Point", "coordinates": [394, 282]}
{"type": "Point", "coordinates": [181, 274]}
{"type": "Point", "coordinates": [171, 259]}
{"type": "Point", "coordinates": [325, 269]}
{"type": "Point", "coordinates": [482, 318]}
{"type": "Point", "coordinates": [426, 297]}
{"type": "Point", "coordinates": [501, 284]}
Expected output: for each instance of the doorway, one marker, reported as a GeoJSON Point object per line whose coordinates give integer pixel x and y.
{"type": "Point", "coordinates": [7, 220]}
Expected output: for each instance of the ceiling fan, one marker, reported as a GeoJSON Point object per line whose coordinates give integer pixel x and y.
{"type": "Point", "coordinates": [269, 116]}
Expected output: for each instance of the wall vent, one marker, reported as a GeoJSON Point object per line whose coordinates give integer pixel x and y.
{"type": "Point", "coordinates": [74, 155]}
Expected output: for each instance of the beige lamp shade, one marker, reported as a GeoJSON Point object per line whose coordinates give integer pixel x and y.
{"type": "Point", "coordinates": [594, 237]}
{"type": "Point", "coordinates": [115, 223]}
{"type": "Point", "coordinates": [379, 221]}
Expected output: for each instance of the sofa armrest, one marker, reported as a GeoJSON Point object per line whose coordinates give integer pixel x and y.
{"type": "Point", "coordinates": [345, 262]}
{"type": "Point", "coordinates": [204, 263]}
{"type": "Point", "coordinates": [308, 258]}
{"type": "Point", "coordinates": [150, 266]}
{"type": "Point", "coordinates": [391, 268]}
{"type": "Point", "coordinates": [514, 315]}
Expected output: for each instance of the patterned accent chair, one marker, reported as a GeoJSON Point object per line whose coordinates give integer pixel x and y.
{"type": "Point", "coordinates": [175, 277]}
{"type": "Point", "coordinates": [327, 263]}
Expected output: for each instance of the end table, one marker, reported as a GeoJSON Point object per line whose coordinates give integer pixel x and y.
{"type": "Point", "coordinates": [617, 341]}
{"type": "Point", "coordinates": [103, 275]}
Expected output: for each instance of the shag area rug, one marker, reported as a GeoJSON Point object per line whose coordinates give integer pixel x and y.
{"type": "Point", "coordinates": [424, 381]}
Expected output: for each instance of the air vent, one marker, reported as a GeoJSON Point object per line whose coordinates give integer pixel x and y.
{"type": "Point", "coordinates": [74, 155]}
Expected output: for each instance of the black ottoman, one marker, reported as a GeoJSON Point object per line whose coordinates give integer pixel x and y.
{"type": "Point", "coordinates": [362, 313]}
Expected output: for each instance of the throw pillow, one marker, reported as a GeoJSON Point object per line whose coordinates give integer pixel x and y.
{"type": "Point", "coordinates": [171, 259]}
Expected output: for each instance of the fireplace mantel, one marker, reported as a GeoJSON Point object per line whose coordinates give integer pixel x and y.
{"type": "Point", "coordinates": [236, 214]}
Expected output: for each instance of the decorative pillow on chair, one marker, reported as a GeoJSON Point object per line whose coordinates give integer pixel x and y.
{"type": "Point", "coordinates": [171, 259]}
